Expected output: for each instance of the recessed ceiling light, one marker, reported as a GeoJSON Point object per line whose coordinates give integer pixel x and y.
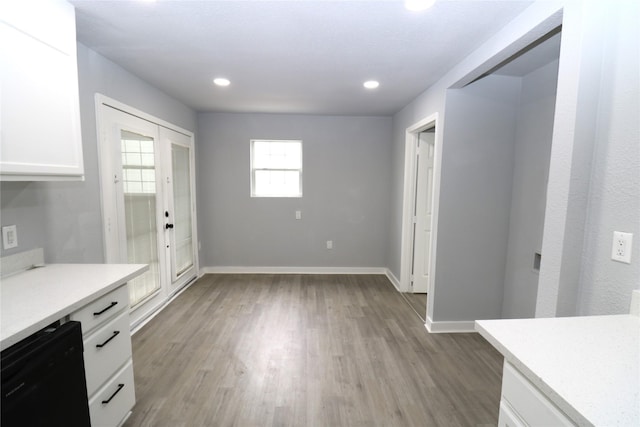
{"type": "Point", "coordinates": [418, 5]}
{"type": "Point", "coordinates": [371, 84]}
{"type": "Point", "coordinates": [220, 81]}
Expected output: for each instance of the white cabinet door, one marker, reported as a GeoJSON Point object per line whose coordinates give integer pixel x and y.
{"type": "Point", "coordinates": [527, 402]}
{"type": "Point", "coordinates": [39, 103]}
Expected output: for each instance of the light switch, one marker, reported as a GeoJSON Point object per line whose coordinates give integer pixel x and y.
{"type": "Point", "coordinates": [9, 236]}
{"type": "Point", "coordinates": [298, 214]}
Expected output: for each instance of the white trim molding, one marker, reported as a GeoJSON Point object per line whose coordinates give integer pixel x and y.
{"type": "Point", "coordinates": [393, 279]}
{"type": "Point", "coordinates": [448, 327]}
{"type": "Point", "coordinates": [408, 200]}
{"type": "Point", "coordinates": [292, 270]}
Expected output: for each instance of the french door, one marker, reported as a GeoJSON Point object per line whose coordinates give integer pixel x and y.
{"type": "Point", "coordinates": [180, 213]}
{"type": "Point", "coordinates": [147, 184]}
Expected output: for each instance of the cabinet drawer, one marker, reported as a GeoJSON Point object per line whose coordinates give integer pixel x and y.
{"type": "Point", "coordinates": [119, 393]}
{"type": "Point", "coordinates": [528, 402]}
{"type": "Point", "coordinates": [104, 308]}
{"type": "Point", "coordinates": [106, 350]}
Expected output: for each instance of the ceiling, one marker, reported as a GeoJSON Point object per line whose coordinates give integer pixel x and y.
{"type": "Point", "coordinates": [285, 56]}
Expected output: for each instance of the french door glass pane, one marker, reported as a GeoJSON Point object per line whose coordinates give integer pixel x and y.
{"type": "Point", "coordinates": [182, 209]}
{"type": "Point", "coordinates": [140, 207]}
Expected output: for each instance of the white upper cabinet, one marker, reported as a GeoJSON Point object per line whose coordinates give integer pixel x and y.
{"type": "Point", "coordinates": [40, 136]}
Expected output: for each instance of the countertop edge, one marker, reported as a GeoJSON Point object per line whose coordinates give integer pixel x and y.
{"type": "Point", "coordinates": [553, 396]}
{"type": "Point", "coordinates": [57, 315]}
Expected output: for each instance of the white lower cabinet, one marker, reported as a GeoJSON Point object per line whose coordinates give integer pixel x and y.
{"type": "Point", "coordinates": [107, 357]}
{"type": "Point", "coordinates": [110, 405]}
{"type": "Point", "coordinates": [106, 350]}
{"type": "Point", "coordinates": [523, 404]}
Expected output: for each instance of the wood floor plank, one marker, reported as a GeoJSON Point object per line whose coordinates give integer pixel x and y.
{"type": "Point", "coordinates": [307, 350]}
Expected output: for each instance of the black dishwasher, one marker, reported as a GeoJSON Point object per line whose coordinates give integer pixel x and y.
{"type": "Point", "coordinates": [43, 379]}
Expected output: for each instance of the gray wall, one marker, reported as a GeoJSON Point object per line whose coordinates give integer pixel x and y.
{"type": "Point", "coordinates": [531, 172]}
{"type": "Point", "coordinates": [64, 217]}
{"type": "Point", "coordinates": [614, 196]}
{"type": "Point", "coordinates": [346, 170]}
{"type": "Point", "coordinates": [475, 198]}
{"type": "Point", "coordinates": [585, 203]}
{"type": "Point", "coordinates": [20, 204]}
{"type": "Point", "coordinates": [595, 164]}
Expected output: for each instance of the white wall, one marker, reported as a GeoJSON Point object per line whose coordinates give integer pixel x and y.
{"type": "Point", "coordinates": [531, 172]}
{"type": "Point", "coordinates": [65, 217]}
{"type": "Point", "coordinates": [346, 176]}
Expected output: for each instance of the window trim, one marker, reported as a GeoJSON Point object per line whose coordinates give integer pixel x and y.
{"type": "Point", "coordinates": [252, 170]}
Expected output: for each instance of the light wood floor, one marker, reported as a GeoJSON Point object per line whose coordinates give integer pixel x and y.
{"type": "Point", "coordinates": [307, 350]}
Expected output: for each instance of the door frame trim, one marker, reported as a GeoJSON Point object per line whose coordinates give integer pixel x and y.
{"type": "Point", "coordinates": [408, 201]}
{"type": "Point", "coordinates": [100, 102]}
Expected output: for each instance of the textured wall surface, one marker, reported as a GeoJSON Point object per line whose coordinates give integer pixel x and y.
{"type": "Point", "coordinates": [614, 198]}
{"type": "Point", "coordinates": [594, 174]}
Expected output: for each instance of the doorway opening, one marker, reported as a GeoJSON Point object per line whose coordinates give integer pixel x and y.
{"type": "Point", "coordinates": [420, 213]}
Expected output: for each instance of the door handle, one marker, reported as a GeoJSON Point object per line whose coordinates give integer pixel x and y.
{"type": "Point", "coordinates": [168, 226]}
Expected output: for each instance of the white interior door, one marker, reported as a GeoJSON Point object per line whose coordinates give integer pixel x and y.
{"type": "Point", "coordinates": [148, 198]}
{"type": "Point", "coordinates": [423, 212]}
{"type": "Point", "coordinates": [180, 212]}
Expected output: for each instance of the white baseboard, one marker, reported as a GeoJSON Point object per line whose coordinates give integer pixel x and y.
{"type": "Point", "coordinates": [448, 327]}
{"type": "Point", "coordinates": [393, 279]}
{"type": "Point", "coordinates": [292, 270]}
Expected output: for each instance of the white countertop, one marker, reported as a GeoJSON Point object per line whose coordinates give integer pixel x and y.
{"type": "Point", "coordinates": [31, 300]}
{"type": "Point", "coordinates": [587, 366]}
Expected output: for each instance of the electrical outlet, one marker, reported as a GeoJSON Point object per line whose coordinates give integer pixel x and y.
{"type": "Point", "coordinates": [621, 249]}
{"type": "Point", "coordinates": [329, 244]}
{"type": "Point", "coordinates": [9, 236]}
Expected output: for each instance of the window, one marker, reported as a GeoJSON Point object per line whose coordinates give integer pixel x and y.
{"type": "Point", "coordinates": [276, 168]}
{"type": "Point", "coordinates": [138, 164]}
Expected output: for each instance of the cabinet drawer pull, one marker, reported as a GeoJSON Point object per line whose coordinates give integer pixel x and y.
{"type": "Point", "coordinates": [113, 304]}
{"type": "Point", "coordinates": [120, 387]}
{"type": "Point", "coordinates": [115, 334]}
